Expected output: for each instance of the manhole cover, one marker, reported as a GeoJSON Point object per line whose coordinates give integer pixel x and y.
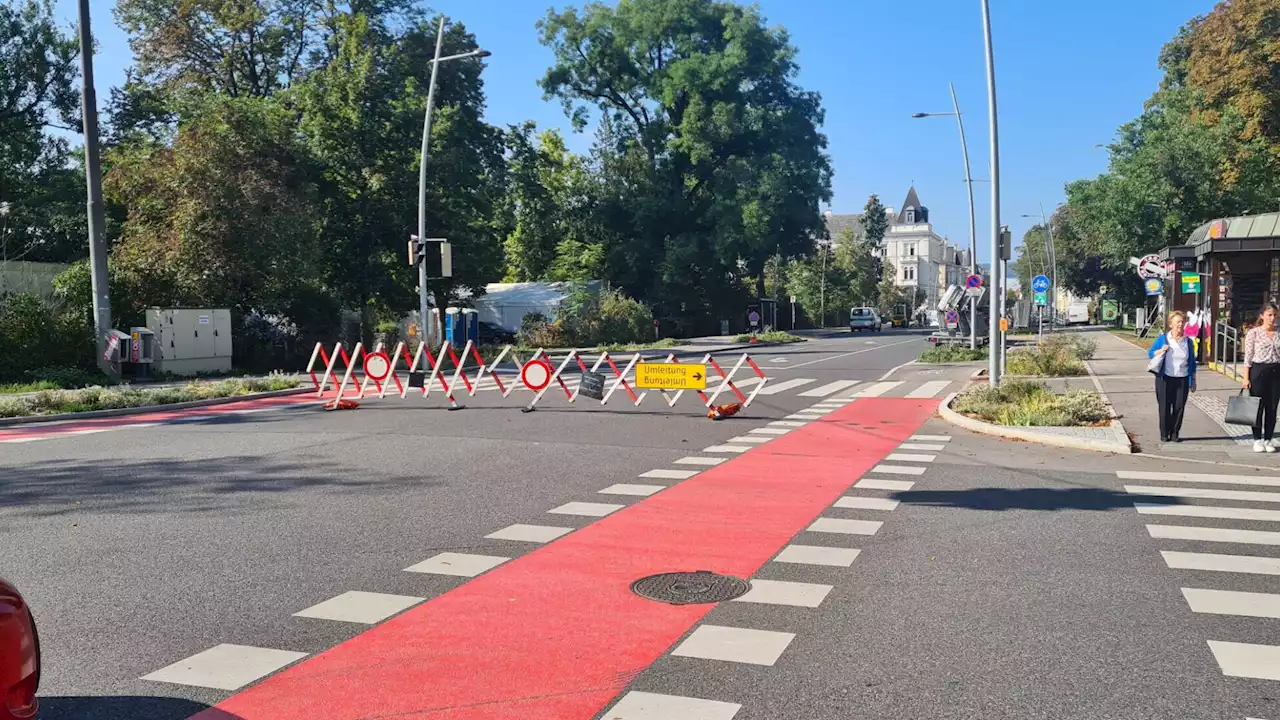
{"type": "Point", "coordinates": [690, 588]}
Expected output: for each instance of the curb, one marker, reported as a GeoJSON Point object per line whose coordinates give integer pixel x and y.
{"type": "Point", "coordinates": [1027, 435]}
{"type": "Point", "coordinates": [121, 412]}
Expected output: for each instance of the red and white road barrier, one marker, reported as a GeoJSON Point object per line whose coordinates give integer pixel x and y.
{"type": "Point", "coordinates": [379, 370]}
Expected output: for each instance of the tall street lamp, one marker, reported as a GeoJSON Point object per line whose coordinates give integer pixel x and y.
{"type": "Point", "coordinates": [973, 234]}
{"type": "Point", "coordinates": [423, 305]}
{"type": "Point", "coordinates": [1053, 262]}
{"type": "Point", "coordinates": [994, 364]}
{"type": "Point", "coordinates": [823, 292]}
{"type": "Point", "coordinates": [93, 178]}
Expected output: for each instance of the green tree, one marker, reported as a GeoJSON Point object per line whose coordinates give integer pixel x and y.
{"type": "Point", "coordinates": [550, 200]}
{"type": "Point", "coordinates": [1032, 257]}
{"type": "Point", "coordinates": [40, 186]}
{"type": "Point", "coordinates": [720, 150]}
{"type": "Point", "coordinates": [227, 216]}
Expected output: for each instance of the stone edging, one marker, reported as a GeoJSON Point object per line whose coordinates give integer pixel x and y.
{"type": "Point", "coordinates": [120, 412]}
{"type": "Point", "coordinates": [1119, 444]}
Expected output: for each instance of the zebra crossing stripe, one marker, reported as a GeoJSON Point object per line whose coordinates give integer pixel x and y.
{"type": "Point", "coordinates": [830, 388]}
{"type": "Point", "coordinates": [876, 389]}
{"type": "Point", "coordinates": [1207, 511]}
{"type": "Point", "coordinates": [1191, 477]}
{"type": "Point", "coordinates": [1212, 534]}
{"type": "Point", "coordinates": [774, 389]}
{"type": "Point", "coordinates": [929, 389]}
{"type": "Point", "coordinates": [1200, 493]}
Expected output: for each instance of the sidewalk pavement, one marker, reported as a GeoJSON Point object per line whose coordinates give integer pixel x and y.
{"type": "Point", "coordinates": [1121, 369]}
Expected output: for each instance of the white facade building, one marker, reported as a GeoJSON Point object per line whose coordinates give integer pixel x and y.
{"type": "Point", "coordinates": [921, 258]}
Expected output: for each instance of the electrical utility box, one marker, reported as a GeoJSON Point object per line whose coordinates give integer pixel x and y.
{"type": "Point", "coordinates": [189, 341]}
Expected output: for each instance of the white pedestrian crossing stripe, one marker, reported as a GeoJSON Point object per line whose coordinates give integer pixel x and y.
{"type": "Point", "coordinates": [1235, 659]}
{"type": "Point", "coordinates": [876, 389]}
{"type": "Point", "coordinates": [829, 388]}
{"type": "Point", "coordinates": [929, 389]}
{"type": "Point", "coordinates": [775, 388]}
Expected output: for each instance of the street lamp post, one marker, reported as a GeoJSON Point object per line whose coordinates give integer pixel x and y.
{"type": "Point", "coordinates": [423, 304]}
{"type": "Point", "coordinates": [993, 363]}
{"type": "Point", "coordinates": [93, 178]}
{"type": "Point", "coordinates": [823, 283]}
{"type": "Point", "coordinates": [1051, 257]}
{"type": "Point", "coordinates": [973, 233]}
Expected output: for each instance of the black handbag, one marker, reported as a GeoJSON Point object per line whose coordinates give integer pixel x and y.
{"type": "Point", "coordinates": [1242, 410]}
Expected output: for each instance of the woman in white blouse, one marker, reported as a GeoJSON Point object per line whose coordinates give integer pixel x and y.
{"type": "Point", "coordinates": [1175, 372]}
{"type": "Point", "coordinates": [1262, 376]}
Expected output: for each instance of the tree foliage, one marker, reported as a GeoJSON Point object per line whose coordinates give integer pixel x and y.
{"type": "Point", "coordinates": [718, 158]}
{"type": "Point", "coordinates": [42, 189]}
{"type": "Point", "coordinates": [1206, 146]}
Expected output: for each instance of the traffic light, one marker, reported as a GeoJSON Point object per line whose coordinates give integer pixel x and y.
{"type": "Point", "coordinates": [439, 259]}
{"type": "Point", "coordinates": [1006, 243]}
{"type": "Point", "coordinates": [415, 250]}
{"type": "Point", "coordinates": [437, 253]}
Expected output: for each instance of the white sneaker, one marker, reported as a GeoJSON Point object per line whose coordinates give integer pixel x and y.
{"type": "Point", "coordinates": [1271, 447]}
{"type": "Point", "coordinates": [1260, 446]}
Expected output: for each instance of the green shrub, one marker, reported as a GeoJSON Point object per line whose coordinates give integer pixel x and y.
{"type": "Point", "coordinates": [1055, 356]}
{"type": "Point", "coordinates": [1026, 403]}
{"type": "Point", "coordinates": [770, 336]}
{"type": "Point", "coordinates": [952, 353]}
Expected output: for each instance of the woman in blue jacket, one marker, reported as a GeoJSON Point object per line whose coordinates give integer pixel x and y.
{"type": "Point", "coordinates": [1175, 375]}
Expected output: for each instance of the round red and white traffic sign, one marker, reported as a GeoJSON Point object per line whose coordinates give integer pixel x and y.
{"type": "Point", "coordinates": [536, 374]}
{"type": "Point", "coordinates": [377, 365]}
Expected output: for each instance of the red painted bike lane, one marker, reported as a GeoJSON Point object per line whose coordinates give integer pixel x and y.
{"type": "Point", "coordinates": [557, 634]}
{"type": "Point", "coordinates": [55, 428]}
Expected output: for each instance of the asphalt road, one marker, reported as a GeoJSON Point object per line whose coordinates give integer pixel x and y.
{"type": "Point", "coordinates": [1009, 581]}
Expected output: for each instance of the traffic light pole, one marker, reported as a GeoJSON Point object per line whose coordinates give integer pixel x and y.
{"type": "Point", "coordinates": [424, 306]}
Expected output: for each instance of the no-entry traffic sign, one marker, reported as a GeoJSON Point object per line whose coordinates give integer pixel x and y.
{"type": "Point", "coordinates": [536, 374]}
{"type": "Point", "coordinates": [377, 366]}
{"type": "Point", "coordinates": [662, 376]}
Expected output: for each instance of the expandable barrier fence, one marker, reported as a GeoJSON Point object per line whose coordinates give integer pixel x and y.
{"type": "Point", "coordinates": [368, 373]}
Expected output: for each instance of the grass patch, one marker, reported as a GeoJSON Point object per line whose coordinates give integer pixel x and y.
{"type": "Point", "coordinates": [952, 354]}
{"type": "Point", "coordinates": [772, 336]}
{"type": "Point", "coordinates": [663, 344]}
{"type": "Point", "coordinates": [1025, 403]}
{"type": "Point", "coordinates": [54, 402]}
{"type": "Point", "coordinates": [37, 386]}
{"type": "Point", "coordinates": [1128, 336]}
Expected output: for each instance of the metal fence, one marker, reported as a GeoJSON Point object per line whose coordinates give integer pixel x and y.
{"type": "Point", "coordinates": [1226, 347]}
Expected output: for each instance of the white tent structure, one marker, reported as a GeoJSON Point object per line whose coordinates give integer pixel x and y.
{"type": "Point", "coordinates": [506, 304]}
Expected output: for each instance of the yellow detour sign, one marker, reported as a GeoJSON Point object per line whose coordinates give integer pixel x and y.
{"type": "Point", "coordinates": [663, 376]}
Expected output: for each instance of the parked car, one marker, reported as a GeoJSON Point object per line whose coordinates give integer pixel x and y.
{"type": "Point", "coordinates": [19, 656]}
{"type": "Point", "coordinates": [494, 334]}
{"type": "Point", "coordinates": [864, 318]}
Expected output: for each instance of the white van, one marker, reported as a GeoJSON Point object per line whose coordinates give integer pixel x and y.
{"type": "Point", "coordinates": [864, 318]}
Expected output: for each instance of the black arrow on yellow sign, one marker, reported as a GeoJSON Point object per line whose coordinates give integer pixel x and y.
{"type": "Point", "coordinates": [697, 376]}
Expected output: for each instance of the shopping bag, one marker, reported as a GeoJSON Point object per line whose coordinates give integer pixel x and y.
{"type": "Point", "coordinates": [1242, 410]}
{"type": "Point", "coordinates": [1154, 365]}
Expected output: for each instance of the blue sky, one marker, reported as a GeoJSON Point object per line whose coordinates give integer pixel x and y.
{"type": "Point", "coordinates": [1067, 75]}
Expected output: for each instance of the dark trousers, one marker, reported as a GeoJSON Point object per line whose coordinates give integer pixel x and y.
{"type": "Point", "coordinates": [1171, 395]}
{"type": "Point", "coordinates": [1264, 384]}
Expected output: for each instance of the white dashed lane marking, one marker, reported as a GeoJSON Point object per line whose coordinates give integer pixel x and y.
{"type": "Point", "coordinates": [457, 564]}
{"type": "Point", "coordinates": [225, 667]}
{"type": "Point", "coordinates": [366, 608]}
{"type": "Point", "coordinates": [743, 645]}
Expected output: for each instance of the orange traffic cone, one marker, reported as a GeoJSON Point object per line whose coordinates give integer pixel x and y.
{"type": "Point", "coordinates": [720, 412]}
{"type": "Point", "coordinates": [341, 405]}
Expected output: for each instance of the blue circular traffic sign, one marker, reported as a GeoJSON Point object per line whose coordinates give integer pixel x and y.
{"type": "Point", "coordinates": [973, 281]}
{"type": "Point", "coordinates": [1040, 283]}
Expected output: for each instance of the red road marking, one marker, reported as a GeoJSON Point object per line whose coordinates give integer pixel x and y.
{"type": "Point", "coordinates": [54, 428]}
{"type": "Point", "coordinates": [556, 634]}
